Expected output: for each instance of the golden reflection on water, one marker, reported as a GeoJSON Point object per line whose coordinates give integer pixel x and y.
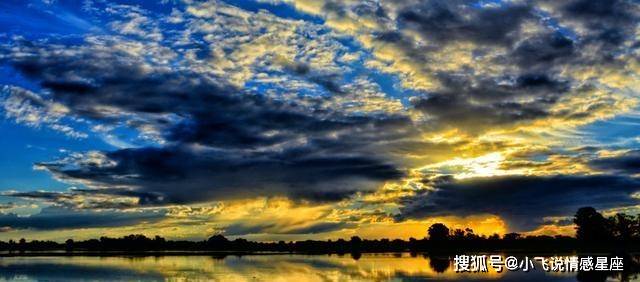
{"type": "Point", "coordinates": [298, 268]}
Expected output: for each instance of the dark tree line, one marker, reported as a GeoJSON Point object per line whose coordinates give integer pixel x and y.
{"type": "Point", "coordinates": [594, 227]}
{"type": "Point", "coordinates": [595, 232]}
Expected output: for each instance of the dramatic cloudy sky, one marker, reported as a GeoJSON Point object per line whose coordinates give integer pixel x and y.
{"type": "Point", "coordinates": [291, 119]}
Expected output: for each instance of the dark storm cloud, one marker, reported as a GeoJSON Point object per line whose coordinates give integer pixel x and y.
{"type": "Point", "coordinates": [210, 112]}
{"type": "Point", "coordinates": [476, 100]}
{"type": "Point", "coordinates": [85, 198]}
{"type": "Point", "coordinates": [627, 163]}
{"type": "Point", "coordinates": [543, 51]}
{"type": "Point", "coordinates": [523, 200]}
{"type": "Point", "coordinates": [472, 101]}
{"type": "Point", "coordinates": [467, 100]}
{"type": "Point", "coordinates": [40, 195]}
{"type": "Point", "coordinates": [54, 218]}
{"type": "Point", "coordinates": [606, 25]}
{"type": "Point", "coordinates": [221, 142]}
{"type": "Point", "coordinates": [487, 102]}
{"type": "Point", "coordinates": [615, 11]}
{"type": "Point", "coordinates": [88, 80]}
{"type": "Point", "coordinates": [608, 20]}
{"type": "Point", "coordinates": [183, 175]}
{"type": "Point", "coordinates": [443, 21]}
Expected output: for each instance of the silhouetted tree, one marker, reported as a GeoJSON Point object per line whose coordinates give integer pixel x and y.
{"type": "Point", "coordinates": [469, 235]}
{"type": "Point", "coordinates": [511, 236]}
{"type": "Point", "coordinates": [22, 245]}
{"type": "Point", "coordinates": [68, 245]}
{"type": "Point", "coordinates": [438, 232]}
{"type": "Point", "coordinates": [356, 243]}
{"type": "Point", "coordinates": [217, 242]}
{"type": "Point", "coordinates": [591, 225]}
{"type": "Point", "coordinates": [12, 245]}
{"type": "Point", "coordinates": [623, 227]}
{"type": "Point", "coordinates": [457, 234]}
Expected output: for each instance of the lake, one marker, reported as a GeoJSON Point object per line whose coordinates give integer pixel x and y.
{"type": "Point", "coordinates": [279, 267]}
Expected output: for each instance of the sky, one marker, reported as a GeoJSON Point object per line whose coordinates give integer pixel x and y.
{"type": "Point", "coordinates": [315, 119]}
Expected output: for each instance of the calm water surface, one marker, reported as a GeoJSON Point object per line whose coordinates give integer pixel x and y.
{"type": "Point", "coordinates": [297, 268]}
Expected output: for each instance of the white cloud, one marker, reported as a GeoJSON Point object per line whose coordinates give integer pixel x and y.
{"type": "Point", "coordinates": [26, 107]}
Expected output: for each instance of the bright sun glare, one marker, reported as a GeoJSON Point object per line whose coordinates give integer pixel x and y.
{"type": "Point", "coordinates": [460, 168]}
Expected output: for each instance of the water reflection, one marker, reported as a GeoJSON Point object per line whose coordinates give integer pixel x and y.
{"type": "Point", "coordinates": [355, 267]}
